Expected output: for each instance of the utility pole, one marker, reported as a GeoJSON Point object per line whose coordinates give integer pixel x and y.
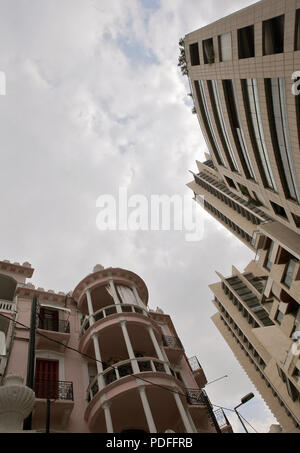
{"type": "Point", "coordinates": [31, 357]}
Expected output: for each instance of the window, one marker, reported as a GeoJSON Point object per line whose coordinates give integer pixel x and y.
{"type": "Point", "coordinates": [230, 182]}
{"type": "Point", "coordinates": [296, 220]}
{"type": "Point", "coordinates": [46, 379]}
{"type": "Point", "coordinates": [225, 48]}
{"type": "Point", "coordinates": [297, 30]}
{"type": "Point", "coordinates": [236, 128]}
{"type": "Point", "coordinates": [268, 262]}
{"type": "Point", "coordinates": [251, 100]}
{"type": "Point", "coordinates": [221, 124]}
{"type": "Point", "coordinates": [279, 210]}
{"type": "Point", "coordinates": [278, 119]}
{"type": "Point", "coordinates": [246, 42]}
{"type": "Point", "coordinates": [208, 51]}
{"type": "Point", "coordinates": [194, 54]}
{"type": "Point", "coordinates": [273, 35]}
{"type": "Point", "coordinates": [244, 190]}
{"type": "Point", "coordinates": [206, 118]}
{"type": "Point", "coordinates": [49, 319]}
{"type": "Point", "coordinates": [289, 273]}
{"type": "Point", "coordinates": [279, 316]}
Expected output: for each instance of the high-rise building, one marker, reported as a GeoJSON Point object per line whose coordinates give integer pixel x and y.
{"type": "Point", "coordinates": [103, 361]}
{"type": "Point", "coordinates": [244, 79]}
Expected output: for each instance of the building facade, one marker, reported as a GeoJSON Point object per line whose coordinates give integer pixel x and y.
{"type": "Point", "coordinates": [104, 361]}
{"type": "Point", "coordinates": [243, 72]}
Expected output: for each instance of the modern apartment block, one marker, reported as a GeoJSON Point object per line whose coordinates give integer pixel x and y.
{"type": "Point", "coordinates": [244, 79]}
{"type": "Point", "coordinates": [102, 358]}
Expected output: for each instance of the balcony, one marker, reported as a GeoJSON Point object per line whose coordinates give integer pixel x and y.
{"type": "Point", "coordinates": [8, 308]}
{"type": "Point", "coordinates": [58, 326]}
{"type": "Point", "coordinates": [223, 422]}
{"type": "Point", "coordinates": [59, 390]}
{"type": "Point", "coordinates": [109, 311]}
{"type": "Point", "coordinates": [173, 348]}
{"type": "Point", "coordinates": [197, 371]}
{"type": "Point", "coordinates": [58, 330]}
{"type": "Point", "coordinates": [60, 393]}
{"type": "Point", "coordinates": [123, 369]}
{"type": "Point", "coordinates": [196, 397]}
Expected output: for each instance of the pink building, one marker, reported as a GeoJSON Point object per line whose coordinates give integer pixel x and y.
{"type": "Point", "coordinates": [105, 361]}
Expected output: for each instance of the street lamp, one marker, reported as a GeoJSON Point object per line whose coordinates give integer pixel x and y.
{"type": "Point", "coordinates": [244, 400]}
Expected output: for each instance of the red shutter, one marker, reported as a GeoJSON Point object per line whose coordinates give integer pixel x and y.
{"type": "Point", "coordinates": [46, 379]}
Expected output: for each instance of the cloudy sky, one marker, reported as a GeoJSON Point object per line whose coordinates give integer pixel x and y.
{"type": "Point", "coordinates": [94, 102]}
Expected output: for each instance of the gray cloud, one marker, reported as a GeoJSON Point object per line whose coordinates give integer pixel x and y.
{"type": "Point", "coordinates": [95, 101]}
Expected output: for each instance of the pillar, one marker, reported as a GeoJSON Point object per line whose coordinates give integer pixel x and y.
{"type": "Point", "coordinates": [183, 414]}
{"type": "Point", "coordinates": [90, 306]}
{"type": "Point", "coordinates": [108, 419]}
{"type": "Point", "coordinates": [147, 410]}
{"type": "Point", "coordinates": [129, 348]}
{"type": "Point", "coordinates": [98, 362]}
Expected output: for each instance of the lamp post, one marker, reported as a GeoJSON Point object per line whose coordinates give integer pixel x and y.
{"type": "Point", "coordinates": [244, 400]}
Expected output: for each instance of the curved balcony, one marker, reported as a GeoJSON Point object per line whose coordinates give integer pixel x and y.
{"type": "Point", "coordinates": [123, 369]}
{"type": "Point", "coordinates": [109, 311]}
{"type": "Point", "coordinates": [97, 284]}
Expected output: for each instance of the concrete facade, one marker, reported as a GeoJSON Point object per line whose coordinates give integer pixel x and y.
{"type": "Point", "coordinates": [243, 74]}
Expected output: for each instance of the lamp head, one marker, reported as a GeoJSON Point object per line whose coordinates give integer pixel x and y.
{"type": "Point", "coordinates": [246, 398]}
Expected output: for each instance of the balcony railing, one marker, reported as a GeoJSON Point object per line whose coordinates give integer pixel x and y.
{"type": "Point", "coordinates": [172, 342]}
{"type": "Point", "coordinates": [6, 305]}
{"type": "Point", "coordinates": [194, 363]}
{"type": "Point", "coordinates": [196, 397]}
{"type": "Point", "coordinates": [122, 369]}
{"type": "Point", "coordinates": [221, 418]}
{"type": "Point", "coordinates": [58, 390]}
{"type": "Point", "coordinates": [112, 310]}
{"type": "Point", "coordinates": [60, 325]}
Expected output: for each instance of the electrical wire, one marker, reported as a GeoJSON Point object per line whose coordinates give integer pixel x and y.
{"type": "Point", "coordinates": [103, 363]}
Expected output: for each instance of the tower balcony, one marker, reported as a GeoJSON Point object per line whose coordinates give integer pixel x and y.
{"type": "Point", "coordinates": [151, 400]}
{"type": "Point", "coordinates": [108, 328]}
{"type": "Point", "coordinates": [109, 311]}
{"type": "Point", "coordinates": [116, 373]}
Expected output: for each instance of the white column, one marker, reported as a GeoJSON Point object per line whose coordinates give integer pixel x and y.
{"type": "Point", "coordinates": [90, 306]}
{"type": "Point", "coordinates": [99, 365]}
{"type": "Point", "coordinates": [191, 421]}
{"type": "Point", "coordinates": [115, 295]}
{"type": "Point", "coordinates": [129, 348]}
{"type": "Point", "coordinates": [155, 343]}
{"type": "Point", "coordinates": [183, 414]}
{"type": "Point", "coordinates": [108, 419]}
{"type": "Point", "coordinates": [147, 410]}
{"type": "Point", "coordinates": [159, 352]}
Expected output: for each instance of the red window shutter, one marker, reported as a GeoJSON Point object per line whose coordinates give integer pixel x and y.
{"type": "Point", "coordinates": [46, 379]}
